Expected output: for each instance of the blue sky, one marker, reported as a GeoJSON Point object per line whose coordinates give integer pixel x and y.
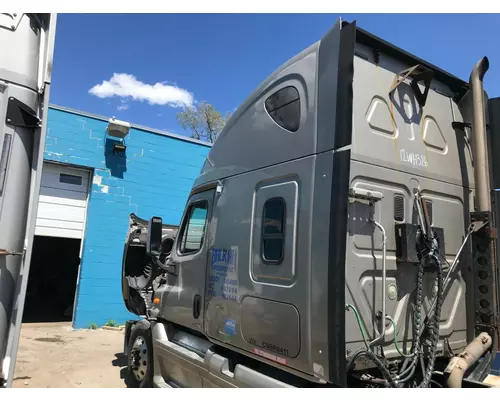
{"type": "Point", "coordinates": [221, 58]}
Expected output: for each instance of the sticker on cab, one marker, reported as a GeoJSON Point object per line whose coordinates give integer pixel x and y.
{"type": "Point", "coordinates": [230, 327]}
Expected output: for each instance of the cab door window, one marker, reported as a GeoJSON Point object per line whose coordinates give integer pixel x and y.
{"type": "Point", "coordinates": [193, 231]}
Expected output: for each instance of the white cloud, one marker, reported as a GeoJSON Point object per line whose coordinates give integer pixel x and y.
{"type": "Point", "coordinates": [127, 86]}
{"type": "Point", "coordinates": [122, 107]}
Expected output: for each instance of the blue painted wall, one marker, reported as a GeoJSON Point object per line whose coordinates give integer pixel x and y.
{"type": "Point", "coordinates": [153, 177]}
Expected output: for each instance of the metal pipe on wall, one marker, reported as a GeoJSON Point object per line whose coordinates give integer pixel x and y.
{"type": "Point", "coordinates": [381, 335]}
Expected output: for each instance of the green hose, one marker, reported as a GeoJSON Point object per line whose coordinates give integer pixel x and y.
{"type": "Point", "coordinates": [363, 334]}
{"type": "Point", "coordinates": [396, 339]}
{"type": "Point", "coordinates": [368, 352]}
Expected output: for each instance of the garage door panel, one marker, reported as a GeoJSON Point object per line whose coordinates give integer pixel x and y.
{"type": "Point", "coordinates": [61, 212]}
{"type": "Point", "coordinates": [62, 206]}
{"type": "Point", "coordinates": [58, 168]}
{"type": "Point", "coordinates": [66, 181]}
{"type": "Point", "coordinates": [53, 223]}
{"type": "Point", "coordinates": [52, 174]}
{"type": "Point", "coordinates": [58, 196]}
{"type": "Point", "coordinates": [59, 232]}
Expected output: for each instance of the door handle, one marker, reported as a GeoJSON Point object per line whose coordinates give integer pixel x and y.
{"type": "Point", "coordinates": [196, 306]}
{"type": "Point", "coordinates": [171, 266]}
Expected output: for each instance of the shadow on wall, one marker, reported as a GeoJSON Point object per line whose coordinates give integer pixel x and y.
{"type": "Point", "coordinates": [116, 160]}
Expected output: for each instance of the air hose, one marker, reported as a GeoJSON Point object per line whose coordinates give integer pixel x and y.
{"type": "Point", "coordinates": [409, 370]}
{"type": "Point", "coordinates": [429, 248]}
{"type": "Point", "coordinates": [434, 331]}
{"type": "Point", "coordinates": [367, 352]}
{"type": "Point", "coordinates": [434, 328]}
{"type": "Point", "coordinates": [396, 339]}
{"type": "Point", "coordinates": [408, 373]}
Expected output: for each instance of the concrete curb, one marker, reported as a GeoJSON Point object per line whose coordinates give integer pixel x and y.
{"type": "Point", "coordinates": [113, 328]}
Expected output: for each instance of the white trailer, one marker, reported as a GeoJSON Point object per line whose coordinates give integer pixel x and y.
{"type": "Point", "coordinates": [27, 46]}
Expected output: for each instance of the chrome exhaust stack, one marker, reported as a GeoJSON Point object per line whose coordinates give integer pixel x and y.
{"type": "Point", "coordinates": [479, 137]}
{"type": "Point", "coordinates": [483, 237]}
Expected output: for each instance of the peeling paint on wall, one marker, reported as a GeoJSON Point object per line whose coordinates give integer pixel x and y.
{"type": "Point", "coordinates": [97, 180]}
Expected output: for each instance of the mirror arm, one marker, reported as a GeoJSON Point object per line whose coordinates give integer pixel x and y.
{"type": "Point", "coordinates": [169, 267]}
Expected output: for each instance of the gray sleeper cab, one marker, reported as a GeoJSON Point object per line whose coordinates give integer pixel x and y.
{"type": "Point", "coordinates": [276, 237]}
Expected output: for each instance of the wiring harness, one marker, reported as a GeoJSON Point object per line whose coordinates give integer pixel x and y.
{"type": "Point", "coordinates": [428, 255]}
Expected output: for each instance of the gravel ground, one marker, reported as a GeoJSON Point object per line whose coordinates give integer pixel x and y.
{"type": "Point", "coordinates": [53, 355]}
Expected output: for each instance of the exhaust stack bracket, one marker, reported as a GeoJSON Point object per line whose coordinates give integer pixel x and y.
{"type": "Point", "coordinates": [417, 73]}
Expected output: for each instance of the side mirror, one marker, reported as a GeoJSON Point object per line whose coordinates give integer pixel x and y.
{"type": "Point", "coordinates": [153, 244]}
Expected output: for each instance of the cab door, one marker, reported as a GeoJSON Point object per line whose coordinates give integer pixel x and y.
{"type": "Point", "coordinates": [184, 304]}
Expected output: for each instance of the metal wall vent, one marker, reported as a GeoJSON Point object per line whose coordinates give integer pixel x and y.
{"type": "Point", "coordinates": [399, 208]}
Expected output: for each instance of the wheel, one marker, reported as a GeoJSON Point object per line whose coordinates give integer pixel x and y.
{"type": "Point", "coordinates": [140, 356]}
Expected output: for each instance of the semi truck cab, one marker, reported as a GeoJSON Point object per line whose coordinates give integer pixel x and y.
{"type": "Point", "coordinates": [341, 233]}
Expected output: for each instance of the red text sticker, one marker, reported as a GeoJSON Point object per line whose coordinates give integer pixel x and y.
{"type": "Point", "coordinates": [269, 356]}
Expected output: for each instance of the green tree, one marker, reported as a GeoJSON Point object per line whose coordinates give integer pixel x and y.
{"type": "Point", "coordinates": [203, 121]}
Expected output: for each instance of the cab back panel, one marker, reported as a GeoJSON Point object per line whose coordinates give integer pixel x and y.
{"type": "Point", "coordinates": [397, 147]}
{"type": "Point", "coordinates": [364, 258]}
{"type": "Point", "coordinates": [391, 129]}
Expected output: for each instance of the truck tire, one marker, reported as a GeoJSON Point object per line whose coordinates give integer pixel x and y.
{"type": "Point", "coordinates": [140, 356]}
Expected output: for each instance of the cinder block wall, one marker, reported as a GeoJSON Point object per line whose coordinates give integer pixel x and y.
{"type": "Point", "coordinates": [153, 177]}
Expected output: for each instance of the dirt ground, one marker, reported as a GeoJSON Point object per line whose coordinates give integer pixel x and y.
{"type": "Point", "coordinates": [53, 355]}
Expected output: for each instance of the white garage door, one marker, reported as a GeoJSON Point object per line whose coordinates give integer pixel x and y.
{"type": "Point", "coordinates": [62, 207]}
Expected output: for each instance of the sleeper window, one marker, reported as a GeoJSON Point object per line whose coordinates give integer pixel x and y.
{"type": "Point", "coordinates": [284, 108]}
{"type": "Point", "coordinates": [194, 229]}
{"type": "Point", "coordinates": [273, 231]}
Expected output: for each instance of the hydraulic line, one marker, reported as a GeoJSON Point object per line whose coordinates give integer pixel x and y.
{"type": "Point", "coordinates": [422, 364]}
{"type": "Point", "coordinates": [428, 258]}
{"type": "Point", "coordinates": [385, 372]}
{"type": "Point", "coordinates": [360, 325]}
{"type": "Point", "coordinates": [388, 380]}
{"type": "Point", "coordinates": [431, 258]}
{"type": "Point", "coordinates": [407, 374]}
{"type": "Point", "coordinates": [452, 267]}
{"type": "Point", "coordinates": [435, 383]}
{"type": "Point", "coordinates": [368, 352]}
{"type": "Point", "coordinates": [405, 368]}
{"type": "Point", "coordinates": [396, 339]}
{"type": "Point", "coordinates": [353, 358]}
{"type": "Point", "coordinates": [434, 331]}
